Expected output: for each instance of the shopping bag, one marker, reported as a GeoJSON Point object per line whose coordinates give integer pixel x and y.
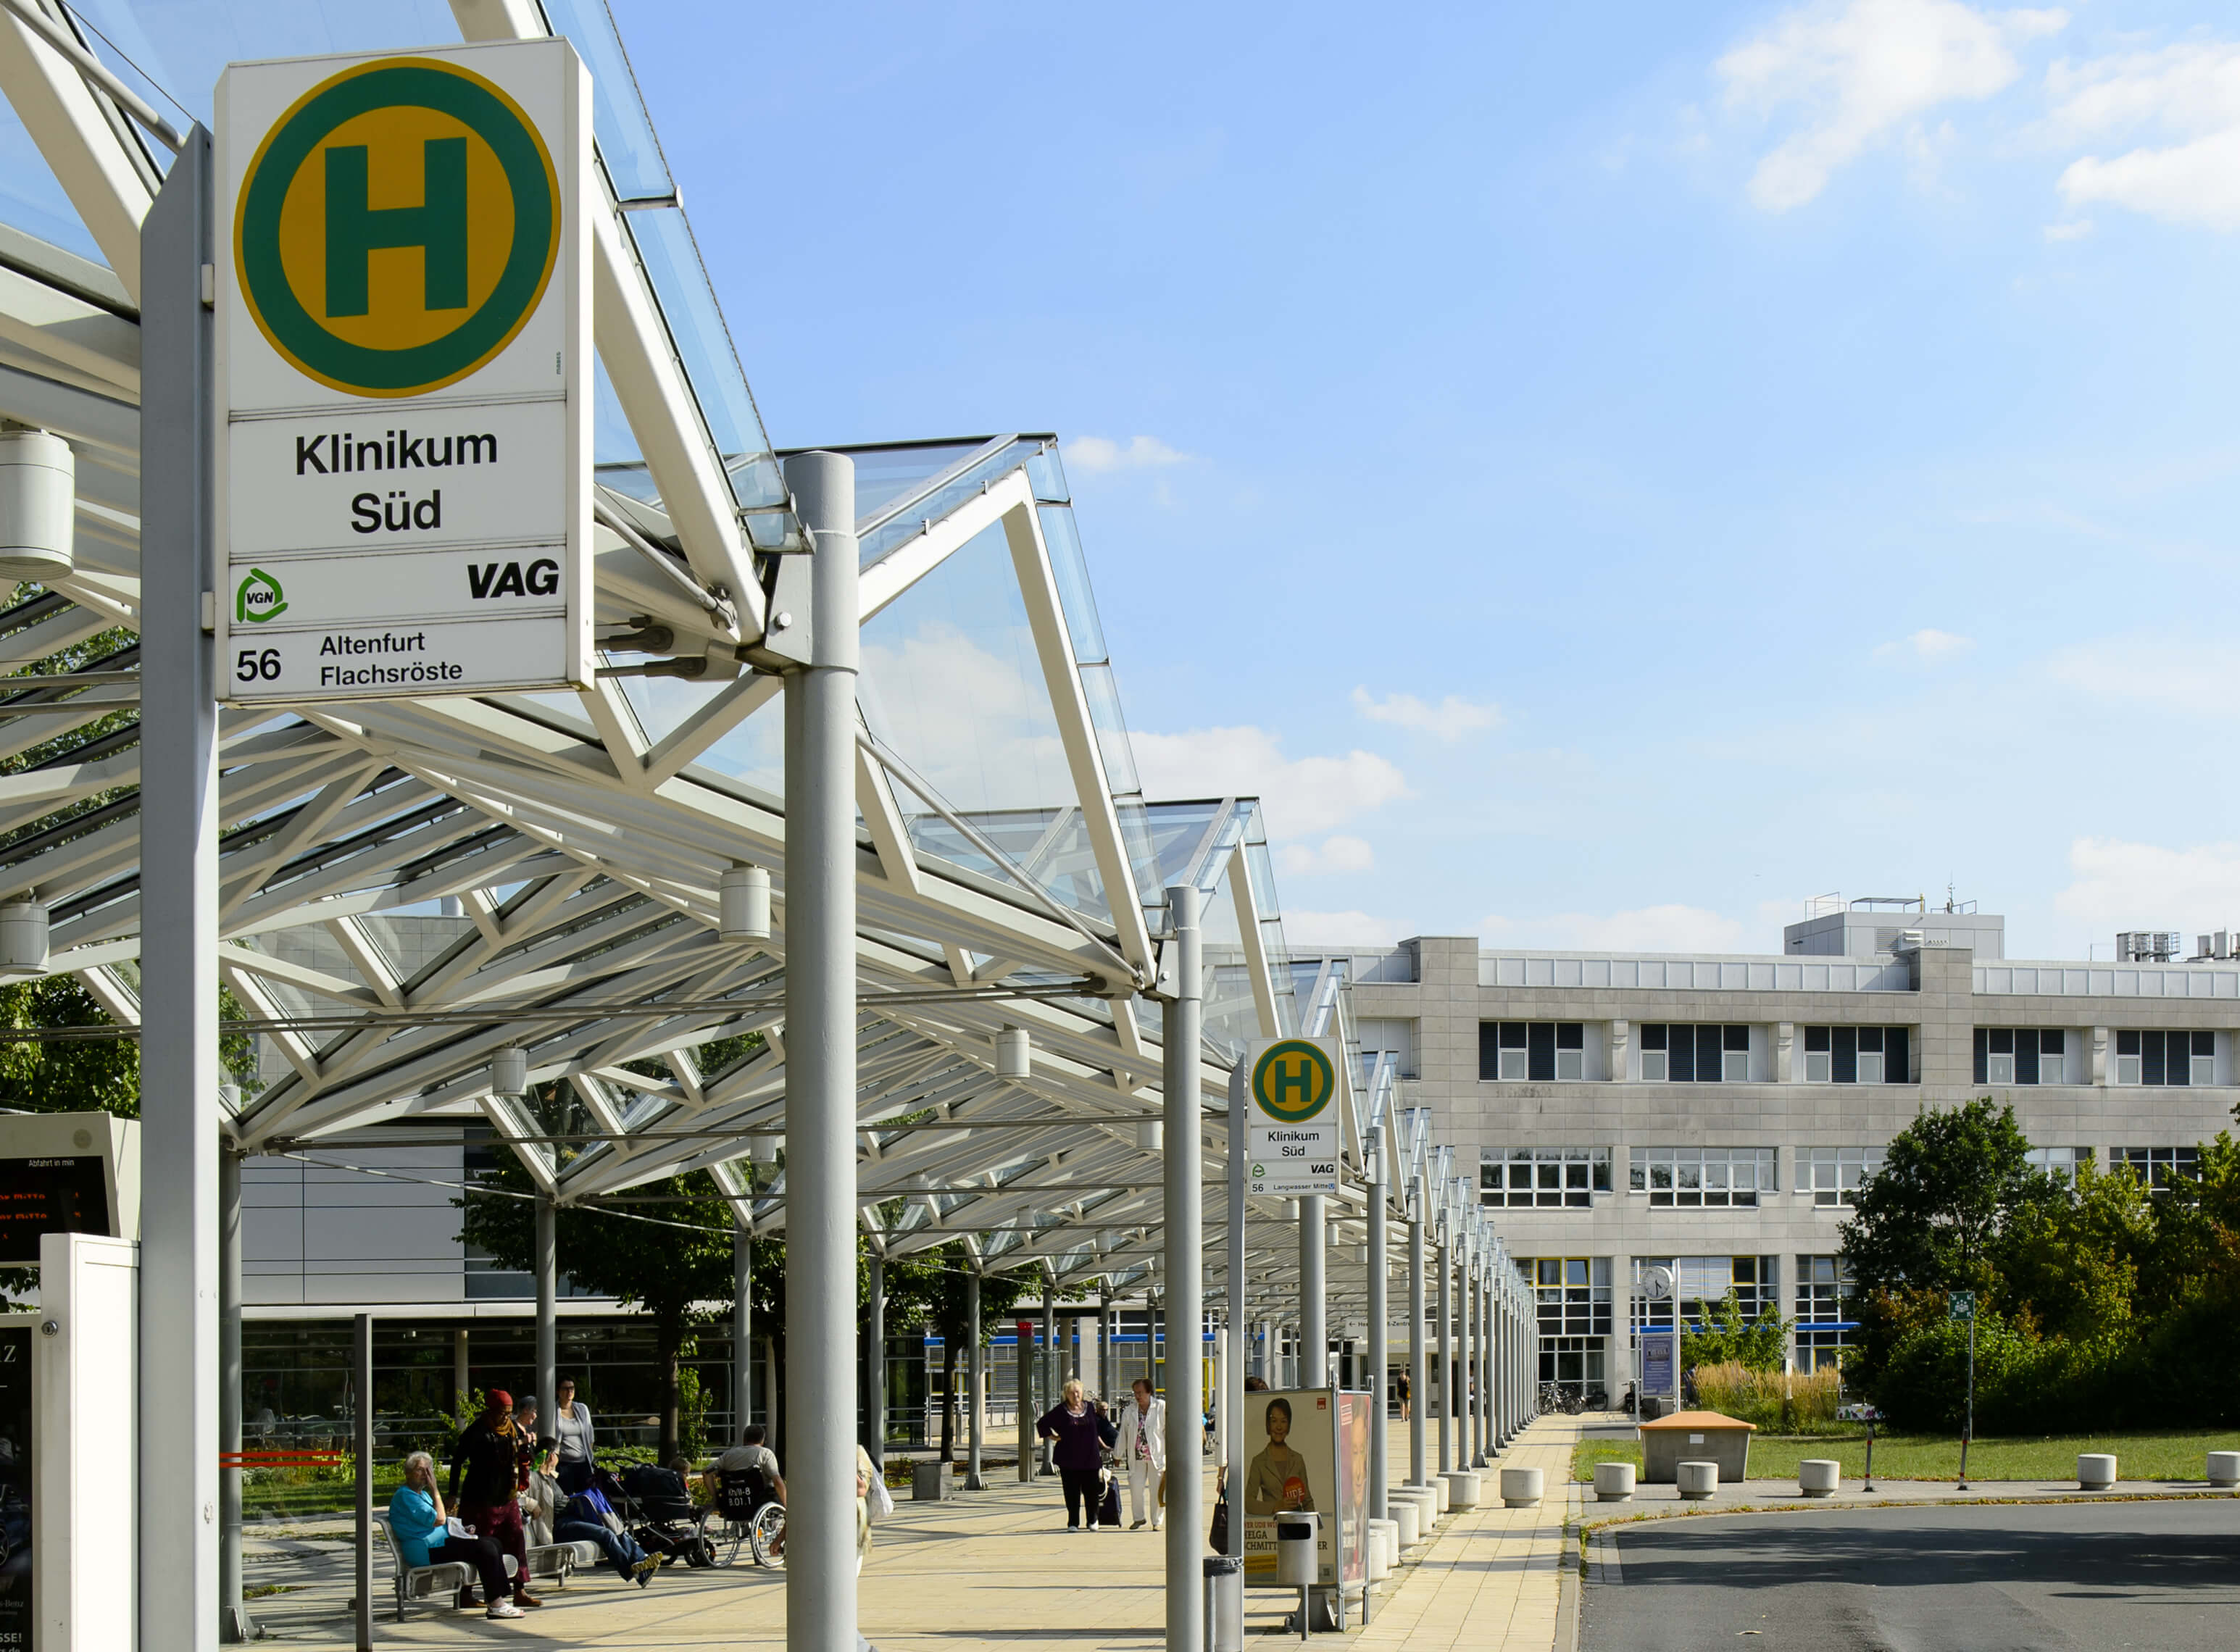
{"type": "Point", "coordinates": [1217, 1539]}
{"type": "Point", "coordinates": [1107, 1510]}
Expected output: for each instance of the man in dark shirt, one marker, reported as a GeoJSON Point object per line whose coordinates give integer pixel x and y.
{"type": "Point", "coordinates": [484, 1457]}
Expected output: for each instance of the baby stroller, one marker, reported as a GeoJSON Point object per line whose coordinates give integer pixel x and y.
{"type": "Point", "coordinates": [660, 1512]}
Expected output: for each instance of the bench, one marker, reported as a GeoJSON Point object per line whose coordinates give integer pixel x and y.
{"type": "Point", "coordinates": [438, 1584]}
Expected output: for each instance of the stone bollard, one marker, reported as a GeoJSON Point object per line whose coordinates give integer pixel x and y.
{"type": "Point", "coordinates": [2224, 1469]}
{"type": "Point", "coordinates": [1698, 1480]}
{"type": "Point", "coordinates": [1614, 1483]}
{"type": "Point", "coordinates": [1383, 1548]}
{"type": "Point", "coordinates": [1408, 1517]}
{"type": "Point", "coordinates": [1521, 1487]}
{"type": "Point", "coordinates": [2096, 1471]}
{"type": "Point", "coordinates": [1462, 1489]}
{"type": "Point", "coordinates": [1819, 1476]}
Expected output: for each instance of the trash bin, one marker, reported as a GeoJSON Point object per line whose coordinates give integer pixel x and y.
{"type": "Point", "coordinates": [932, 1481]}
{"type": "Point", "coordinates": [1699, 1437]}
{"type": "Point", "coordinates": [1224, 1581]}
{"type": "Point", "coordinates": [1297, 1564]}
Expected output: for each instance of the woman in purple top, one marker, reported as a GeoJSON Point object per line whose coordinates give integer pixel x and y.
{"type": "Point", "coordinates": [1079, 1453]}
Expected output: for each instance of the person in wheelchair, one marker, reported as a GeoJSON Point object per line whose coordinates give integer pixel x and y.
{"type": "Point", "coordinates": [750, 1470]}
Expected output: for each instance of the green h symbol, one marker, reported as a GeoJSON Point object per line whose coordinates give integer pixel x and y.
{"type": "Point", "coordinates": [437, 226]}
{"type": "Point", "coordinates": [1293, 1083]}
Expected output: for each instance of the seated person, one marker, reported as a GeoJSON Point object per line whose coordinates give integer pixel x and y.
{"type": "Point", "coordinates": [417, 1516]}
{"type": "Point", "coordinates": [750, 1457]}
{"type": "Point", "coordinates": [542, 1498]}
{"type": "Point", "coordinates": [588, 1517]}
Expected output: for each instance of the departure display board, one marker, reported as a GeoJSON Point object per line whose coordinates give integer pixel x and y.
{"type": "Point", "coordinates": [50, 1195]}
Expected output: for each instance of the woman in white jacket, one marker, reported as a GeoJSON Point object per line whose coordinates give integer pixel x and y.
{"type": "Point", "coordinates": [1143, 1451]}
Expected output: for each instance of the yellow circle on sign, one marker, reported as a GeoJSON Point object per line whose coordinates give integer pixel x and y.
{"type": "Point", "coordinates": [398, 314]}
{"type": "Point", "coordinates": [1293, 1080]}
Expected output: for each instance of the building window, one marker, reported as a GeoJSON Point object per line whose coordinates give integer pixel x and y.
{"type": "Point", "coordinates": [2165, 1058]}
{"type": "Point", "coordinates": [1543, 1178]}
{"type": "Point", "coordinates": [1703, 1283]}
{"type": "Point", "coordinates": [2156, 1166]}
{"type": "Point", "coordinates": [1824, 1289]}
{"type": "Point", "coordinates": [2060, 1163]}
{"type": "Point", "coordinates": [2021, 1056]}
{"type": "Point", "coordinates": [1575, 1362]}
{"type": "Point", "coordinates": [1545, 1051]}
{"type": "Point", "coordinates": [1679, 1053]}
{"type": "Point", "coordinates": [1699, 1178]}
{"type": "Point", "coordinates": [1833, 1174]}
{"type": "Point", "coordinates": [1380, 1038]}
{"type": "Point", "coordinates": [1858, 1055]}
{"type": "Point", "coordinates": [1573, 1294]}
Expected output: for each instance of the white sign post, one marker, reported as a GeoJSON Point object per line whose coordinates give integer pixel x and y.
{"type": "Point", "coordinates": [1292, 1135]}
{"type": "Point", "coordinates": [404, 369]}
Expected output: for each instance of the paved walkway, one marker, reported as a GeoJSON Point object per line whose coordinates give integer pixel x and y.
{"type": "Point", "coordinates": [987, 1571]}
{"type": "Point", "coordinates": [1492, 1580]}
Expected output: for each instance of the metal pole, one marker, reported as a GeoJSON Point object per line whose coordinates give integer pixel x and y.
{"type": "Point", "coordinates": [1488, 1364]}
{"type": "Point", "coordinates": [233, 1626]}
{"type": "Point", "coordinates": [820, 1040]}
{"type": "Point", "coordinates": [461, 1378]}
{"type": "Point", "coordinates": [1185, 1273]}
{"type": "Point", "coordinates": [178, 1447]}
{"type": "Point", "coordinates": [974, 1381]}
{"type": "Point", "coordinates": [1466, 1435]}
{"type": "Point", "coordinates": [875, 1363]}
{"type": "Point", "coordinates": [1419, 1392]}
{"type": "Point", "coordinates": [1380, 1468]}
{"type": "Point", "coordinates": [1313, 1325]}
{"type": "Point", "coordinates": [1051, 1364]}
{"type": "Point", "coordinates": [548, 1311]}
{"type": "Point", "coordinates": [1229, 1607]}
{"type": "Point", "coordinates": [362, 1573]}
{"type": "Point", "coordinates": [743, 1328]}
{"type": "Point", "coordinates": [1446, 1346]}
{"type": "Point", "coordinates": [1024, 1424]}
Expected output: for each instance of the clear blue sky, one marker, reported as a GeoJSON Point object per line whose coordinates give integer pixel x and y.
{"type": "Point", "coordinates": [1605, 473]}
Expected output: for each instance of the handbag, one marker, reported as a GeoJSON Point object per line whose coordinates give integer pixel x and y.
{"type": "Point", "coordinates": [882, 1501]}
{"type": "Point", "coordinates": [1108, 1508]}
{"type": "Point", "coordinates": [1217, 1539]}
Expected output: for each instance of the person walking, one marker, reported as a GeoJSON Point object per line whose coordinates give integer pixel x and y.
{"type": "Point", "coordinates": [486, 1457]}
{"type": "Point", "coordinates": [420, 1524]}
{"type": "Point", "coordinates": [1406, 1389]}
{"type": "Point", "coordinates": [1142, 1450]}
{"type": "Point", "coordinates": [1079, 1452]}
{"type": "Point", "coordinates": [572, 1426]}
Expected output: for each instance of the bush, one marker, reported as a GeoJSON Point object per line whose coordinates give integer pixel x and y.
{"type": "Point", "coordinates": [1786, 1401]}
{"type": "Point", "coordinates": [2023, 1385]}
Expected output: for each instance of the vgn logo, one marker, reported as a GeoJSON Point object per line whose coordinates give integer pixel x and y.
{"type": "Point", "coordinates": [258, 598]}
{"type": "Point", "coordinates": [1292, 1081]}
{"type": "Point", "coordinates": [397, 226]}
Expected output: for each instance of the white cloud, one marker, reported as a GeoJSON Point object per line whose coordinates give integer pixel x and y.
{"type": "Point", "coordinates": [1928, 644]}
{"type": "Point", "coordinates": [1335, 854]}
{"type": "Point", "coordinates": [2158, 672]}
{"type": "Point", "coordinates": [1305, 932]}
{"type": "Point", "coordinates": [1096, 455]}
{"type": "Point", "coordinates": [2076, 231]}
{"type": "Point", "coordinates": [2119, 885]}
{"type": "Point", "coordinates": [2187, 93]}
{"type": "Point", "coordinates": [1864, 69]}
{"type": "Point", "coordinates": [1451, 719]}
{"type": "Point", "coordinates": [1648, 928]}
{"type": "Point", "coordinates": [1304, 796]}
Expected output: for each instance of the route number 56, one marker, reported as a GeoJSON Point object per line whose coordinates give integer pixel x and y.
{"type": "Point", "coordinates": [253, 663]}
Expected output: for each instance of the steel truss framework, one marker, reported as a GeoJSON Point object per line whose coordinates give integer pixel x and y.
{"type": "Point", "coordinates": [586, 849]}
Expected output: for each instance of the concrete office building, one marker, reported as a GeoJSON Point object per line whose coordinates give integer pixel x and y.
{"type": "Point", "coordinates": [1715, 1113]}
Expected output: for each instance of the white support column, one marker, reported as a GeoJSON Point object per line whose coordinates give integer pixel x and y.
{"type": "Point", "coordinates": [1419, 1390]}
{"type": "Point", "coordinates": [820, 1109]}
{"type": "Point", "coordinates": [975, 1380]}
{"type": "Point", "coordinates": [1185, 1278]}
{"type": "Point", "coordinates": [1380, 1468]}
{"type": "Point", "coordinates": [178, 1576]}
{"type": "Point", "coordinates": [1313, 1325]}
{"type": "Point", "coordinates": [548, 1290]}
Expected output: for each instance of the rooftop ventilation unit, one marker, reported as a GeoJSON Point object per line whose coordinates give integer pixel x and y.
{"type": "Point", "coordinates": [2148, 946]}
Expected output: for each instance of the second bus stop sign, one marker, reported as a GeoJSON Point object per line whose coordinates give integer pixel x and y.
{"type": "Point", "coordinates": [403, 341]}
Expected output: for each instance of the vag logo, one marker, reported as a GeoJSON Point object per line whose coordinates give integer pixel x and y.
{"type": "Point", "coordinates": [397, 226]}
{"type": "Point", "coordinates": [1292, 1081]}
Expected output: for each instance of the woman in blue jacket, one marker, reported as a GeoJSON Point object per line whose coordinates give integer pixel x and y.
{"type": "Point", "coordinates": [417, 1516]}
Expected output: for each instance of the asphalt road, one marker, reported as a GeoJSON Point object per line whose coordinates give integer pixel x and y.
{"type": "Point", "coordinates": [1988, 1579]}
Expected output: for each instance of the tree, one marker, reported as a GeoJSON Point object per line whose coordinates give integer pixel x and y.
{"type": "Point", "coordinates": [668, 1269]}
{"type": "Point", "coordinates": [1951, 1183]}
{"type": "Point", "coordinates": [1757, 1344]}
{"type": "Point", "coordinates": [2070, 1267]}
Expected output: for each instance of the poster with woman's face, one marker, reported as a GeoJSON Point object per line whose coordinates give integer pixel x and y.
{"type": "Point", "coordinates": [1353, 1414]}
{"type": "Point", "coordinates": [1290, 1464]}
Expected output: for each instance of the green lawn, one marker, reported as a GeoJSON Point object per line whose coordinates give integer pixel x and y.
{"type": "Point", "coordinates": [1913, 1456]}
